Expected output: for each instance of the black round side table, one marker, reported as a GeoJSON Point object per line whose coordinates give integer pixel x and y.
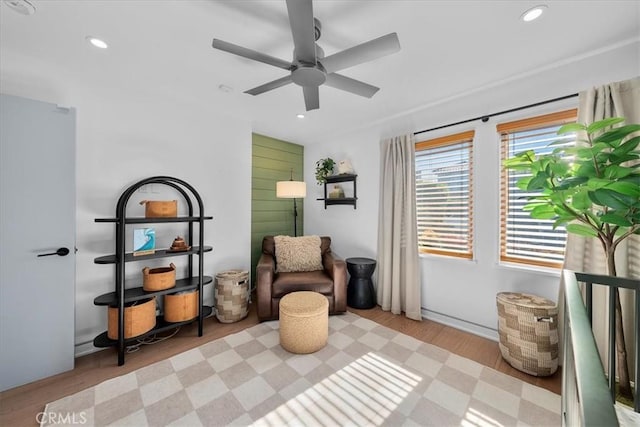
{"type": "Point", "coordinates": [360, 292]}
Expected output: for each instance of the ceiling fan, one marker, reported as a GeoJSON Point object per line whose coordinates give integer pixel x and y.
{"type": "Point", "coordinates": [310, 68]}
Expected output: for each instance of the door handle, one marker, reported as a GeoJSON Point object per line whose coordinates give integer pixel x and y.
{"type": "Point", "coordinates": [59, 252]}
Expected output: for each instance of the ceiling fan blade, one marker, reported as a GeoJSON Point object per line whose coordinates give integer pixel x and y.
{"type": "Point", "coordinates": [348, 84]}
{"type": "Point", "coordinates": [302, 29]}
{"type": "Point", "coordinates": [365, 52]}
{"type": "Point", "coordinates": [311, 97]}
{"type": "Point", "coordinates": [250, 54]}
{"type": "Point", "coordinates": [269, 86]}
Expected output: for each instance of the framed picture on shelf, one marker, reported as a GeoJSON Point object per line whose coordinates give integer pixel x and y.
{"type": "Point", "coordinates": [144, 241]}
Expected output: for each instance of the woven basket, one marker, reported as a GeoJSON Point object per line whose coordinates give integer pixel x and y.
{"type": "Point", "coordinates": [158, 279]}
{"type": "Point", "coordinates": [160, 208]}
{"type": "Point", "coordinates": [138, 319]}
{"type": "Point", "coordinates": [231, 295]}
{"type": "Point", "coordinates": [181, 307]}
{"type": "Point", "coordinates": [528, 329]}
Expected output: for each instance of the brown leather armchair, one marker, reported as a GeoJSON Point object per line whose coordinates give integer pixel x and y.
{"type": "Point", "coordinates": [271, 286]}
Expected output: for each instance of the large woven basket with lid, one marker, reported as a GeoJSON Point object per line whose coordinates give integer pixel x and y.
{"type": "Point", "coordinates": [528, 329]}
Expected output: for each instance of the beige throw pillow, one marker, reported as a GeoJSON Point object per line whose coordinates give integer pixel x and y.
{"type": "Point", "coordinates": [297, 253]}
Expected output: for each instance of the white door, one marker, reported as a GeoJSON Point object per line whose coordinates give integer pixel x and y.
{"type": "Point", "coordinates": [37, 217]}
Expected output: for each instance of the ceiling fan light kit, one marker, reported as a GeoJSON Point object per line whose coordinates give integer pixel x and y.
{"type": "Point", "coordinates": [310, 69]}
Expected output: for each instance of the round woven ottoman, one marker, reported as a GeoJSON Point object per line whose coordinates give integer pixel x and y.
{"type": "Point", "coordinates": [528, 329]}
{"type": "Point", "coordinates": [304, 322]}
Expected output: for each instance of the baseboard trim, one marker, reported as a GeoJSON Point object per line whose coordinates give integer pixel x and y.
{"type": "Point", "coordinates": [461, 324]}
{"type": "Point", "coordinates": [454, 322]}
{"type": "Point", "coordinates": [85, 348]}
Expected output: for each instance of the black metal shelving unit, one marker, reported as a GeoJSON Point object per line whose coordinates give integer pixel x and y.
{"type": "Point", "coordinates": [346, 177]}
{"type": "Point", "coordinates": [123, 295]}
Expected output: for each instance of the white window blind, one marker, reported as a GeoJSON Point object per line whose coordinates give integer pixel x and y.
{"type": "Point", "coordinates": [523, 239]}
{"type": "Point", "coordinates": [444, 195]}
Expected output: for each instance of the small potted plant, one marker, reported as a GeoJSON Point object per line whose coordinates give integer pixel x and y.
{"type": "Point", "coordinates": [324, 168]}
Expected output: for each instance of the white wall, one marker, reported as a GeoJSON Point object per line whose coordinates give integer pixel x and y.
{"type": "Point", "coordinates": [123, 137]}
{"type": "Point", "coordinates": [456, 291]}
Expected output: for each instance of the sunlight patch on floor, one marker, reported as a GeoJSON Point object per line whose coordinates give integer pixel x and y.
{"type": "Point", "coordinates": [475, 418]}
{"type": "Point", "coordinates": [365, 392]}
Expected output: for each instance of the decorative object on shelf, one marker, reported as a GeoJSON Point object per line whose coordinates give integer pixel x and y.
{"type": "Point", "coordinates": [158, 279]}
{"type": "Point", "coordinates": [337, 192]}
{"type": "Point", "coordinates": [139, 318]}
{"type": "Point", "coordinates": [181, 306]}
{"type": "Point", "coordinates": [144, 241]}
{"type": "Point", "coordinates": [344, 166]}
{"type": "Point", "coordinates": [179, 245]}
{"type": "Point", "coordinates": [120, 334]}
{"type": "Point", "coordinates": [291, 190]}
{"type": "Point", "coordinates": [324, 168]}
{"type": "Point", "coordinates": [231, 295]}
{"type": "Point", "coordinates": [332, 198]}
{"type": "Point", "coordinates": [160, 208]}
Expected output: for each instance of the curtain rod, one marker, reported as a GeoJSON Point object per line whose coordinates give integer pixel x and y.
{"type": "Point", "coordinates": [486, 118]}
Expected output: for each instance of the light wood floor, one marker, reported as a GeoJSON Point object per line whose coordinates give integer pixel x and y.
{"type": "Point", "coordinates": [19, 406]}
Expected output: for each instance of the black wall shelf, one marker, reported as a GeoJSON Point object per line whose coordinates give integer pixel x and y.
{"type": "Point", "coordinates": [136, 294]}
{"type": "Point", "coordinates": [140, 220]}
{"type": "Point", "coordinates": [334, 179]}
{"type": "Point", "coordinates": [159, 253]}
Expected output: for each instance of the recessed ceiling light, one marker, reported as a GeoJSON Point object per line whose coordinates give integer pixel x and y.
{"type": "Point", "coordinates": [533, 13]}
{"type": "Point", "coordinates": [300, 116]}
{"type": "Point", "coordinates": [23, 7]}
{"type": "Point", "coordinates": [94, 41]}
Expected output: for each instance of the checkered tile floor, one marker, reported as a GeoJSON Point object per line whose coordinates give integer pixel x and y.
{"type": "Point", "coordinates": [366, 375]}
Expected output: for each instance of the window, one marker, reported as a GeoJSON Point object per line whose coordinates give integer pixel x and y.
{"type": "Point", "coordinates": [443, 195]}
{"type": "Point", "coordinates": [525, 240]}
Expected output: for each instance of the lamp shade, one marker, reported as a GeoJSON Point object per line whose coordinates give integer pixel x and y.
{"type": "Point", "coordinates": [291, 189]}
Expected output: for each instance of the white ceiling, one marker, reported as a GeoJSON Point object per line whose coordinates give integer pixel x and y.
{"type": "Point", "coordinates": [163, 47]}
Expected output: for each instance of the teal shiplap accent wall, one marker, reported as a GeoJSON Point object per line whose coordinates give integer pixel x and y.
{"type": "Point", "coordinates": [272, 161]}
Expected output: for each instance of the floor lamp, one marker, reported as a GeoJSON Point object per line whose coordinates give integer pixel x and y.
{"type": "Point", "coordinates": [291, 190]}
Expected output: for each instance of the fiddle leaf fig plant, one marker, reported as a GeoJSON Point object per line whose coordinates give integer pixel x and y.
{"type": "Point", "coordinates": [324, 168]}
{"type": "Point", "coordinates": [593, 189]}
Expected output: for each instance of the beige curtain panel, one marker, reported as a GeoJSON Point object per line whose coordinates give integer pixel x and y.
{"type": "Point", "coordinates": [398, 280]}
{"type": "Point", "coordinates": [620, 99]}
